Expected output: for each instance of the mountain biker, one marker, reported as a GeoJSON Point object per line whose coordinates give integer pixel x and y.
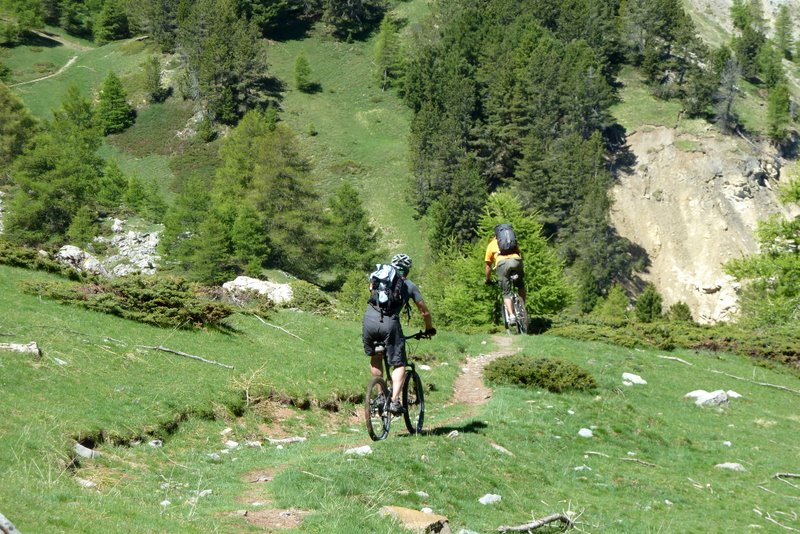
{"type": "Point", "coordinates": [380, 326]}
{"type": "Point", "coordinates": [505, 264]}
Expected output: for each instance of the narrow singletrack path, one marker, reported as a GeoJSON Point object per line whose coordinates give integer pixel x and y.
{"type": "Point", "coordinates": [469, 388]}
{"type": "Point", "coordinates": [56, 73]}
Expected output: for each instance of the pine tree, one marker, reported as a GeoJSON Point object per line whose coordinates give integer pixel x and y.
{"type": "Point", "coordinates": [770, 289]}
{"type": "Point", "coordinates": [56, 176]}
{"type": "Point", "coordinates": [16, 125]}
{"type": "Point", "coordinates": [225, 59]}
{"type": "Point", "coordinates": [648, 305]}
{"type": "Point", "coordinates": [353, 243]}
{"type": "Point", "coordinates": [388, 56]}
{"type": "Point", "coordinates": [249, 240]}
{"type": "Point", "coordinates": [82, 228]}
{"type": "Point", "coordinates": [302, 74]}
{"type": "Point", "coordinates": [778, 118]}
{"type": "Point", "coordinates": [152, 80]}
{"type": "Point", "coordinates": [111, 23]}
{"type": "Point", "coordinates": [114, 113]}
{"type": "Point", "coordinates": [783, 32]}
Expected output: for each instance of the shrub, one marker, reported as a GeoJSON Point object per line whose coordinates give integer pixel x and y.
{"type": "Point", "coordinates": [28, 258]}
{"type": "Point", "coordinates": [680, 313]}
{"type": "Point", "coordinates": [310, 298]}
{"type": "Point", "coordinates": [550, 374]}
{"type": "Point", "coordinates": [162, 301]}
{"type": "Point", "coordinates": [648, 306]}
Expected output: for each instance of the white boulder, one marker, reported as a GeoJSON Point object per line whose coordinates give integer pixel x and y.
{"type": "Point", "coordinates": [277, 293]}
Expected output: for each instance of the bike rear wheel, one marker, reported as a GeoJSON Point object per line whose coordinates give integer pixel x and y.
{"type": "Point", "coordinates": [414, 402]}
{"type": "Point", "coordinates": [521, 313]}
{"type": "Point", "coordinates": [376, 409]}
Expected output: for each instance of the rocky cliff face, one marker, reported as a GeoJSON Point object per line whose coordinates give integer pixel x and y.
{"type": "Point", "coordinates": [693, 202]}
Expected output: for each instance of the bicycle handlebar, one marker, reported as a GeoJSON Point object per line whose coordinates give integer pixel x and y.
{"type": "Point", "coordinates": [421, 335]}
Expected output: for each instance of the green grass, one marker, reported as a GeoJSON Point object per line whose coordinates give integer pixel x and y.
{"type": "Point", "coordinates": [638, 108]}
{"type": "Point", "coordinates": [87, 73]}
{"type": "Point", "coordinates": [361, 130]}
{"type": "Point", "coordinates": [651, 460]}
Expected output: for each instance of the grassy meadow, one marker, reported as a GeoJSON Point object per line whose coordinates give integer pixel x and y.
{"type": "Point", "coordinates": [649, 467]}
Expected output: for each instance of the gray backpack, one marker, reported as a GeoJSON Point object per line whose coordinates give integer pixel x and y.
{"type": "Point", "coordinates": [506, 238]}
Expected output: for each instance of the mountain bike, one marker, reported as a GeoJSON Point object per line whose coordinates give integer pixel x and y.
{"type": "Point", "coordinates": [379, 396]}
{"type": "Point", "coordinates": [518, 305]}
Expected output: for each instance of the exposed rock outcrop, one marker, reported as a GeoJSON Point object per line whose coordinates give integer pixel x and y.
{"type": "Point", "coordinates": [693, 202]}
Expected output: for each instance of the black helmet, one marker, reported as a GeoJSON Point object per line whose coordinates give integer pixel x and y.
{"type": "Point", "coordinates": [402, 262]}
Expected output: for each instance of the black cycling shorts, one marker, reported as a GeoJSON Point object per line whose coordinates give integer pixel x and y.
{"type": "Point", "coordinates": [384, 330]}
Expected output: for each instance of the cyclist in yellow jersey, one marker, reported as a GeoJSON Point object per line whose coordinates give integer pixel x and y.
{"type": "Point", "coordinates": [505, 265]}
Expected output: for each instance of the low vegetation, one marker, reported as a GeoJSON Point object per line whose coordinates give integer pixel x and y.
{"type": "Point", "coordinates": [553, 375]}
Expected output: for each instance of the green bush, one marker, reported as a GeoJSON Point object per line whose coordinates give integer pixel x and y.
{"type": "Point", "coordinates": [310, 298]}
{"type": "Point", "coordinates": [648, 305]}
{"type": "Point", "coordinates": [680, 313]}
{"type": "Point", "coordinates": [28, 258]}
{"type": "Point", "coordinates": [162, 301]}
{"type": "Point", "coordinates": [550, 374]}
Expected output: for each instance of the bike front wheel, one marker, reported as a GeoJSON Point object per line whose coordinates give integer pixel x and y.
{"type": "Point", "coordinates": [414, 402]}
{"type": "Point", "coordinates": [376, 409]}
{"type": "Point", "coordinates": [522, 314]}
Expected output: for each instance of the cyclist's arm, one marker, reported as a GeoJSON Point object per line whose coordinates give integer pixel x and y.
{"type": "Point", "coordinates": [425, 313]}
{"type": "Point", "coordinates": [488, 272]}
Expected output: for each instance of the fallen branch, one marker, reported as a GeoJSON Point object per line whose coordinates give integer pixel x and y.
{"type": "Point", "coordinates": [536, 524]}
{"type": "Point", "coordinates": [278, 327]}
{"type": "Point", "coordinates": [281, 441]}
{"type": "Point", "coordinates": [179, 353]}
{"type": "Point", "coordinates": [769, 518]}
{"type": "Point", "coordinates": [783, 388]}
{"type": "Point", "coordinates": [674, 359]}
{"type": "Point", "coordinates": [636, 460]}
{"type": "Point", "coordinates": [785, 475]}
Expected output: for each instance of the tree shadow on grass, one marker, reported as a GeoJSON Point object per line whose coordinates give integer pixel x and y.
{"type": "Point", "coordinates": [38, 39]}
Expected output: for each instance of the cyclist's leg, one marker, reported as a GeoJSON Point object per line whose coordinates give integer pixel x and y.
{"type": "Point", "coordinates": [503, 272]}
{"type": "Point", "coordinates": [396, 356]}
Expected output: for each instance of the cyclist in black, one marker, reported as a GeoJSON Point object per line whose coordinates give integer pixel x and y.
{"type": "Point", "coordinates": [385, 328]}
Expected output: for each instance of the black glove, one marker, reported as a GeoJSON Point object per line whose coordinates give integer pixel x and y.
{"type": "Point", "coordinates": [430, 332]}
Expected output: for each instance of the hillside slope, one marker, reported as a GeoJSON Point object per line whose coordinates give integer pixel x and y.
{"type": "Point", "coordinates": [693, 198]}
{"type": "Point", "coordinates": [693, 201]}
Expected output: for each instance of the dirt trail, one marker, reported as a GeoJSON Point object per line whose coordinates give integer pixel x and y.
{"type": "Point", "coordinates": [469, 388]}
{"type": "Point", "coordinates": [59, 71]}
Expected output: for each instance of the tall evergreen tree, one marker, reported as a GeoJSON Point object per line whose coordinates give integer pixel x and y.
{"type": "Point", "coordinates": [262, 167]}
{"type": "Point", "coordinates": [114, 113]}
{"type": "Point", "coordinates": [16, 125]}
{"type": "Point", "coordinates": [111, 23]}
{"type": "Point", "coordinates": [778, 118]}
{"type": "Point", "coordinates": [302, 73]}
{"type": "Point", "coordinates": [784, 40]}
{"type": "Point", "coordinates": [388, 53]}
{"type": "Point", "coordinates": [352, 18]}
{"type": "Point", "coordinates": [353, 243]}
{"type": "Point", "coordinates": [152, 80]}
{"type": "Point", "coordinates": [54, 177]}
{"type": "Point", "coordinates": [225, 59]}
